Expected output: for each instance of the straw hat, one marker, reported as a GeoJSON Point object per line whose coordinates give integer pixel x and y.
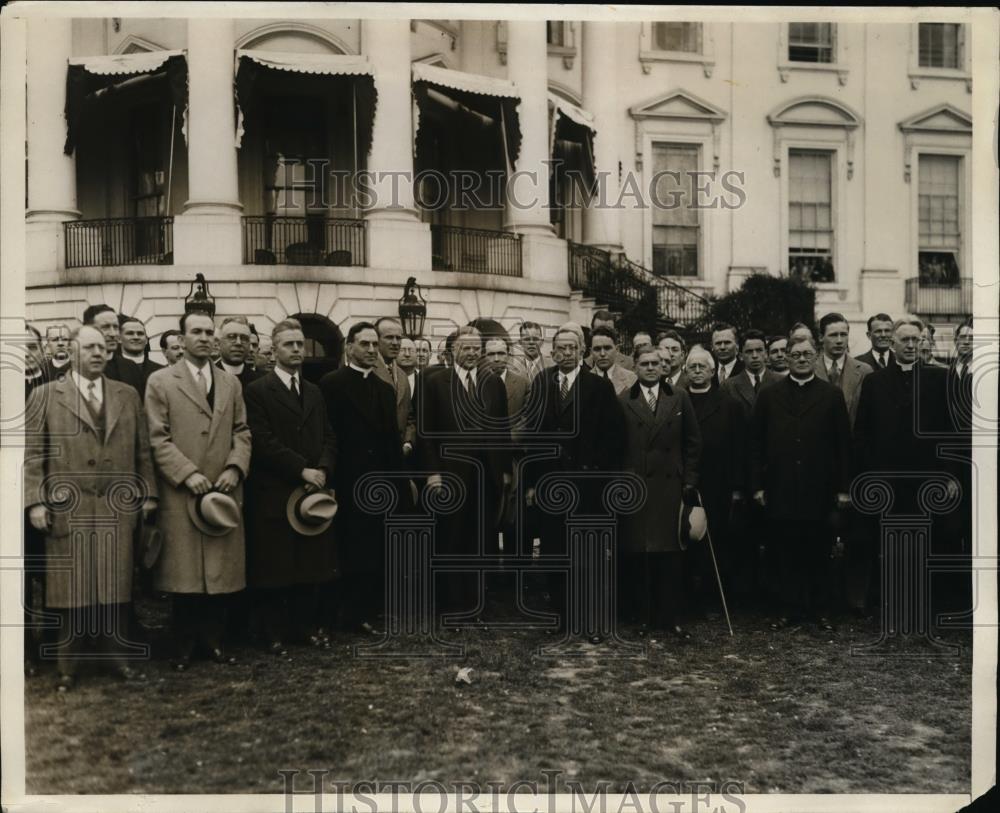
{"type": "Point", "coordinates": [214, 513]}
{"type": "Point", "coordinates": [310, 514]}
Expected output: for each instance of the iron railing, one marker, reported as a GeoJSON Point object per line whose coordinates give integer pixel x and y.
{"type": "Point", "coordinates": [306, 240]}
{"type": "Point", "coordinates": [926, 299]}
{"type": "Point", "coordinates": [595, 273]}
{"type": "Point", "coordinates": [119, 241]}
{"type": "Point", "coordinates": [475, 251]}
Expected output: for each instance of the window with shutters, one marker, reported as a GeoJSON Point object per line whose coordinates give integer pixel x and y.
{"type": "Point", "coordinates": [940, 45]}
{"type": "Point", "coordinates": [810, 215]}
{"type": "Point", "coordinates": [676, 221]}
{"type": "Point", "coordinates": [939, 252]}
{"type": "Point", "coordinates": [811, 42]}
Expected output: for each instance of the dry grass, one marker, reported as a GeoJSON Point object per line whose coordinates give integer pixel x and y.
{"type": "Point", "coordinates": [792, 712]}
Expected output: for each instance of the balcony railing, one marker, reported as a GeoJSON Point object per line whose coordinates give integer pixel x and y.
{"type": "Point", "coordinates": [282, 240]}
{"type": "Point", "coordinates": [926, 299]}
{"type": "Point", "coordinates": [475, 251]}
{"type": "Point", "coordinates": [119, 241]}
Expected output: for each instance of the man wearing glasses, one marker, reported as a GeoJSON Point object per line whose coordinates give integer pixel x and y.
{"type": "Point", "coordinates": [800, 471]}
{"type": "Point", "coordinates": [234, 345]}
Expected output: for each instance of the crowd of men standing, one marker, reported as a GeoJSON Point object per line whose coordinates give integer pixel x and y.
{"type": "Point", "coordinates": [237, 477]}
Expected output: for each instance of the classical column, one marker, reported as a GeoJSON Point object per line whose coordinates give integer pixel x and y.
{"type": "Point", "coordinates": [601, 224]}
{"type": "Point", "coordinates": [208, 233]}
{"type": "Point", "coordinates": [528, 188]}
{"type": "Point", "coordinates": [396, 237]}
{"type": "Point", "coordinates": [51, 173]}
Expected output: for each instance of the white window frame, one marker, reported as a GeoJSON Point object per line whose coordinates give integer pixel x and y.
{"type": "Point", "coordinates": [838, 220]}
{"type": "Point", "coordinates": [964, 205]}
{"type": "Point", "coordinates": [839, 65]}
{"type": "Point", "coordinates": [650, 54]}
{"type": "Point", "coordinates": [917, 73]}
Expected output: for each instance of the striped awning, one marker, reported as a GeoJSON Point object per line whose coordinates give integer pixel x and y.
{"type": "Point", "coordinates": [492, 100]}
{"type": "Point", "coordinates": [91, 79]}
{"type": "Point", "coordinates": [346, 69]}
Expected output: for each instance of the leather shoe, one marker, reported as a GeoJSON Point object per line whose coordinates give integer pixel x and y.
{"type": "Point", "coordinates": [219, 656]}
{"type": "Point", "coordinates": [128, 674]}
{"type": "Point", "coordinates": [595, 639]}
{"type": "Point", "coordinates": [182, 664]}
{"type": "Point", "coordinates": [826, 625]}
{"type": "Point", "coordinates": [65, 683]}
{"type": "Point", "coordinates": [680, 632]}
{"type": "Point", "coordinates": [780, 624]}
{"type": "Point", "coordinates": [277, 648]}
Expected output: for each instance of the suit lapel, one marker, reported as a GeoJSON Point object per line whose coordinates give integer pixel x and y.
{"type": "Point", "coordinates": [189, 387]}
{"type": "Point", "coordinates": [283, 395]}
{"type": "Point", "coordinates": [666, 404]}
{"type": "Point", "coordinates": [112, 408]}
{"type": "Point", "coordinates": [744, 388]}
{"type": "Point", "coordinates": [73, 400]}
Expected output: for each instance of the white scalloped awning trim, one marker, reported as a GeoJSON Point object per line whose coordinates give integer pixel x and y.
{"type": "Point", "coordinates": [322, 64]}
{"type": "Point", "coordinates": [572, 112]}
{"type": "Point", "coordinates": [469, 82]}
{"type": "Point", "coordinates": [122, 64]}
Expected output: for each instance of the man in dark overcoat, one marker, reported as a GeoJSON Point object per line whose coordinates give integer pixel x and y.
{"type": "Point", "coordinates": [663, 447]}
{"type": "Point", "coordinates": [293, 446]}
{"type": "Point", "coordinates": [465, 408]}
{"type": "Point", "coordinates": [362, 413]}
{"type": "Point", "coordinates": [902, 417]}
{"type": "Point", "coordinates": [721, 476]}
{"type": "Point", "coordinates": [800, 442]}
{"type": "Point", "coordinates": [579, 413]}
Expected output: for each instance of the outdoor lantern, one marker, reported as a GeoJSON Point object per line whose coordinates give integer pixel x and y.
{"type": "Point", "coordinates": [412, 309]}
{"type": "Point", "coordinates": [199, 300]}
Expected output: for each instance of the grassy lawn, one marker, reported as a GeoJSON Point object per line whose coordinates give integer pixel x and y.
{"type": "Point", "coordinates": [790, 711]}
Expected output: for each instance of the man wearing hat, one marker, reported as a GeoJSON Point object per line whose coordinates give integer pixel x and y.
{"type": "Point", "coordinates": [362, 412]}
{"type": "Point", "coordinates": [663, 447]}
{"type": "Point", "coordinates": [87, 464]}
{"type": "Point", "coordinates": [290, 549]}
{"type": "Point", "coordinates": [201, 445]}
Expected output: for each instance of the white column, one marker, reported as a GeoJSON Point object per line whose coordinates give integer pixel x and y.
{"type": "Point", "coordinates": [396, 237]}
{"type": "Point", "coordinates": [51, 173]}
{"type": "Point", "coordinates": [208, 233]}
{"type": "Point", "coordinates": [528, 188]}
{"type": "Point", "coordinates": [601, 223]}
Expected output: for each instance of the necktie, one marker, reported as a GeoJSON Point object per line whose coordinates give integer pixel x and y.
{"type": "Point", "coordinates": [756, 383]}
{"type": "Point", "coordinates": [468, 385]}
{"type": "Point", "coordinates": [722, 374]}
{"type": "Point", "coordinates": [835, 374]}
{"type": "Point", "coordinates": [651, 399]}
{"type": "Point", "coordinates": [964, 373]}
{"type": "Point", "coordinates": [881, 360]}
{"type": "Point", "coordinates": [203, 381]}
{"type": "Point", "coordinates": [564, 387]}
{"type": "Point", "coordinates": [295, 385]}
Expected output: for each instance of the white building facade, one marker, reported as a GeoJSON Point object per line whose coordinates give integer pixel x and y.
{"type": "Point", "coordinates": [159, 149]}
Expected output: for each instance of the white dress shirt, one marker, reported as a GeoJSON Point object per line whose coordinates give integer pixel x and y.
{"type": "Point", "coordinates": [83, 385]}
{"type": "Point", "coordinates": [462, 374]}
{"type": "Point", "coordinates": [832, 364]}
{"type": "Point", "coordinates": [655, 389]}
{"type": "Point", "coordinates": [206, 371]}
{"type": "Point", "coordinates": [570, 377]}
{"type": "Point", "coordinates": [728, 368]}
{"type": "Point", "coordinates": [286, 378]}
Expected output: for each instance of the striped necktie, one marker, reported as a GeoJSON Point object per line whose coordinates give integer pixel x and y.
{"type": "Point", "coordinates": [651, 399]}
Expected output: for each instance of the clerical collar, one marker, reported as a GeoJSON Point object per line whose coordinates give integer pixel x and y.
{"type": "Point", "coordinates": [699, 390]}
{"type": "Point", "coordinates": [37, 373]}
{"type": "Point", "coordinates": [365, 371]}
{"type": "Point", "coordinates": [135, 358]}
{"type": "Point", "coordinates": [60, 364]}
{"type": "Point", "coordinates": [801, 381]}
{"type": "Point", "coordinates": [235, 369]}
{"type": "Point", "coordinates": [906, 367]}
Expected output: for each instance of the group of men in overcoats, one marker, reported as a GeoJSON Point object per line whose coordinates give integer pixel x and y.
{"type": "Point", "coordinates": [250, 476]}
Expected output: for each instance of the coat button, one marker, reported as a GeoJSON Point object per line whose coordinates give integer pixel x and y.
{"type": "Point", "coordinates": [91, 462]}
{"type": "Point", "coordinates": [205, 432]}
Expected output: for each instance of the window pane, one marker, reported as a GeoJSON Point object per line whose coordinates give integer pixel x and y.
{"type": "Point", "coordinates": [810, 42]}
{"type": "Point", "coordinates": [939, 217]}
{"type": "Point", "coordinates": [939, 45]}
{"type": "Point", "coordinates": [685, 37]}
{"type": "Point", "coordinates": [554, 33]}
{"type": "Point", "coordinates": [810, 215]}
{"type": "Point", "coordinates": [676, 225]}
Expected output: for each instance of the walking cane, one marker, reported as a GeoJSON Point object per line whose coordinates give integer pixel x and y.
{"type": "Point", "coordinates": [715, 566]}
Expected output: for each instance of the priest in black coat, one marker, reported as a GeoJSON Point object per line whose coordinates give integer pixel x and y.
{"type": "Point", "coordinates": [234, 349]}
{"type": "Point", "coordinates": [800, 472]}
{"type": "Point", "coordinates": [465, 408]}
{"type": "Point", "coordinates": [293, 447]}
{"type": "Point", "coordinates": [362, 412]}
{"type": "Point", "coordinates": [721, 481]}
